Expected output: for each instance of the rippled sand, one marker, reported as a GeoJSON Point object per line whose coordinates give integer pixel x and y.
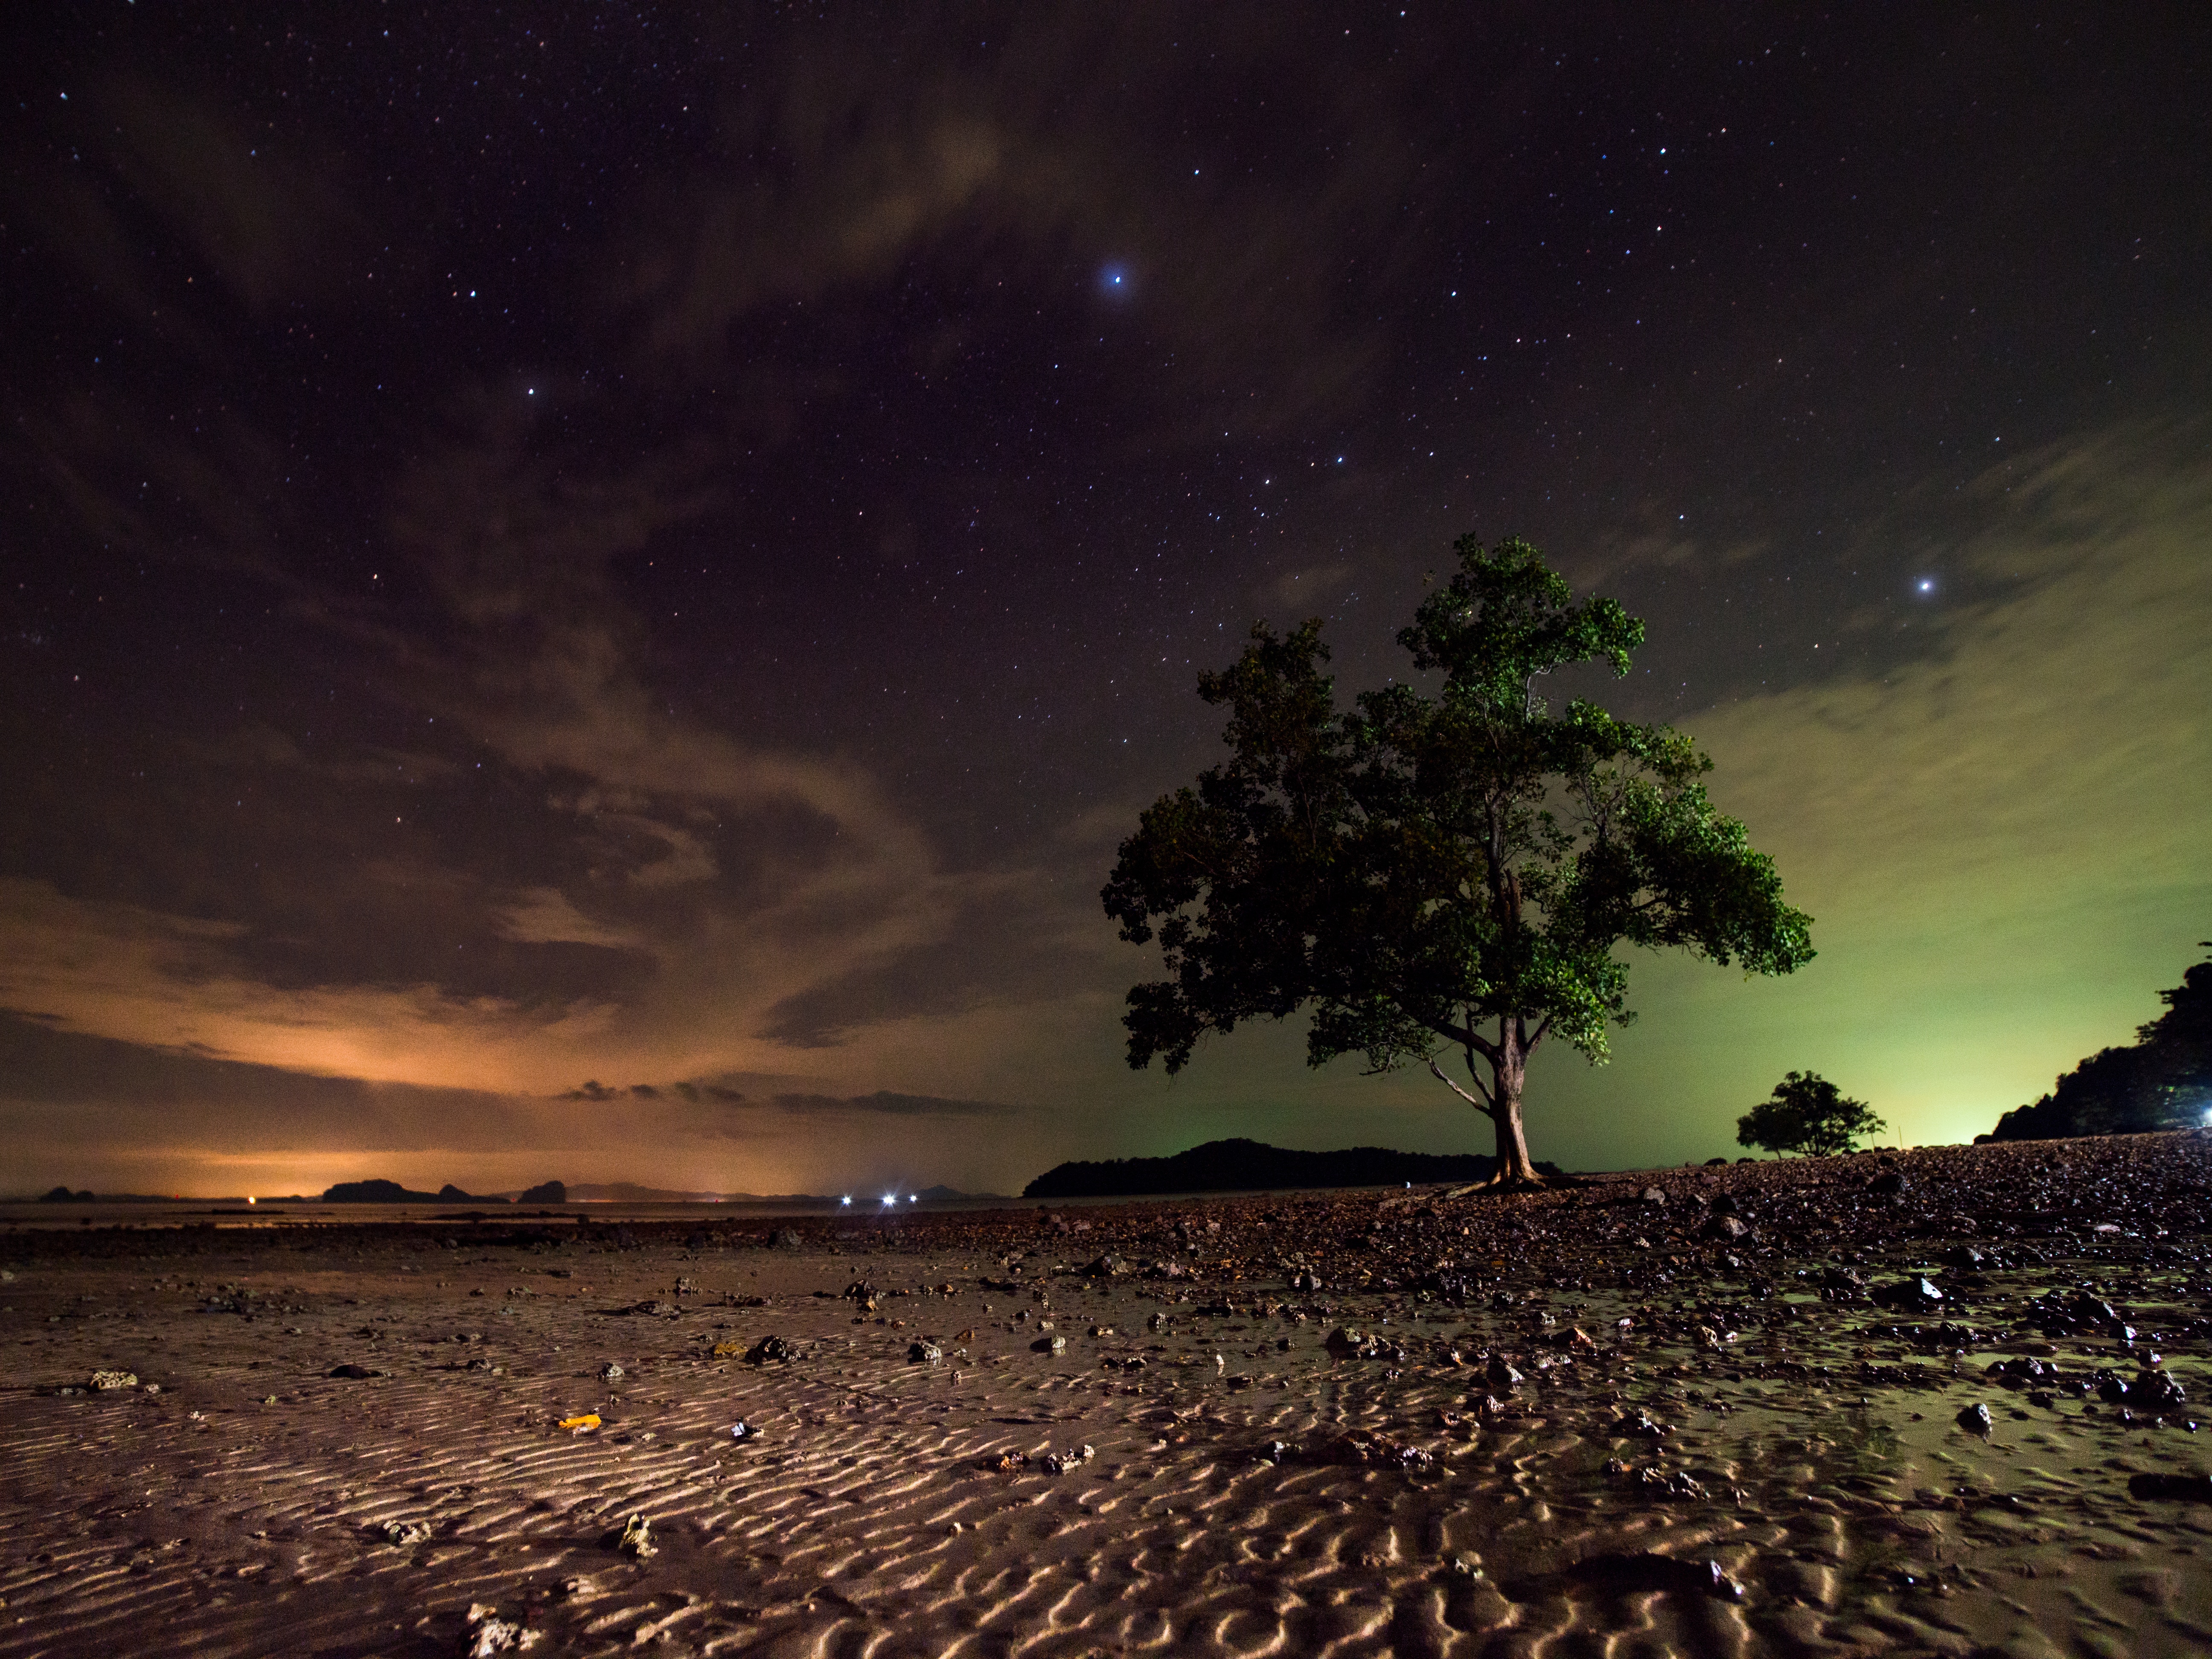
{"type": "Point", "coordinates": [884, 1505]}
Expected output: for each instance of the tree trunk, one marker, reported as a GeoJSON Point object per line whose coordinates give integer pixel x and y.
{"type": "Point", "coordinates": [1509, 1068]}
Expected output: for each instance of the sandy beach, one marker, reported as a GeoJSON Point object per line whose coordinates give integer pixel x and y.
{"type": "Point", "coordinates": [1702, 1411]}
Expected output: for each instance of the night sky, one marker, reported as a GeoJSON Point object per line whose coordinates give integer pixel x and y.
{"type": "Point", "coordinates": [590, 590]}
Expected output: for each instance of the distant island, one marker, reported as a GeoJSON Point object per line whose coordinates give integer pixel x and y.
{"type": "Point", "coordinates": [390, 1192]}
{"type": "Point", "coordinates": [1240, 1165]}
{"type": "Point", "coordinates": [610, 1192]}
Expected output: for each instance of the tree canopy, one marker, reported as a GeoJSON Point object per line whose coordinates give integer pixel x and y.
{"type": "Point", "coordinates": [1438, 869]}
{"type": "Point", "coordinates": [1807, 1113]}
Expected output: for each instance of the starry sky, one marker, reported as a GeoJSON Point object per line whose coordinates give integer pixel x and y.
{"type": "Point", "coordinates": [590, 590]}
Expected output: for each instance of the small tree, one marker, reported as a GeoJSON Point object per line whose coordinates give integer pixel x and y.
{"type": "Point", "coordinates": [1433, 872]}
{"type": "Point", "coordinates": [1807, 1113]}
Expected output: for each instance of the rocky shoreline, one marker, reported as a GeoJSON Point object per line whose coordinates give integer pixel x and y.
{"type": "Point", "coordinates": [1938, 1401]}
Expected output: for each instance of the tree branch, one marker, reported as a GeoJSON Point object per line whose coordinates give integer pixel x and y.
{"type": "Point", "coordinates": [1484, 1105]}
{"type": "Point", "coordinates": [1465, 1036]}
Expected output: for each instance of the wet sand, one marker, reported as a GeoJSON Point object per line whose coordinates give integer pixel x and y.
{"type": "Point", "coordinates": [1582, 1421]}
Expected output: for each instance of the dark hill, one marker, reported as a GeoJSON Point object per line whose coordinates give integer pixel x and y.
{"type": "Point", "coordinates": [2163, 1081]}
{"type": "Point", "coordinates": [375, 1191]}
{"type": "Point", "coordinates": [1230, 1166]}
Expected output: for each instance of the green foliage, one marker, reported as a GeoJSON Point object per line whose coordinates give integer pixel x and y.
{"type": "Point", "coordinates": [1807, 1113]}
{"type": "Point", "coordinates": [1427, 864]}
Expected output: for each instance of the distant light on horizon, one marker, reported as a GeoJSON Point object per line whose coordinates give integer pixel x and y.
{"type": "Point", "coordinates": [846, 1200]}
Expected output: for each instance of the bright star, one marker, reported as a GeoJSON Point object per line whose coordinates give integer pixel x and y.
{"type": "Point", "coordinates": [1927, 584]}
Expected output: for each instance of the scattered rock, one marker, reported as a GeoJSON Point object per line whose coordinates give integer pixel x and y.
{"type": "Point", "coordinates": [611, 1372]}
{"type": "Point", "coordinates": [1648, 1570]}
{"type": "Point", "coordinates": [490, 1635]}
{"type": "Point", "coordinates": [1055, 1344]}
{"type": "Point", "coordinates": [356, 1373]}
{"type": "Point", "coordinates": [786, 1239]}
{"type": "Point", "coordinates": [924, 1353]}
{"type": "Point", "coordinates": [1888, 1182]}
{"type": "Point", "coordinates": [1909, 1295]}
{"type": "Point", "coordinates": [2185, 1488]}
{"type": "Point", "coordinates": [1653, 1196]}
{"type": "Point", "coordinates": [742, 1430]}
{"type": "Point", "coordinates": [1975, 1419]}
{"type": "Point", "coordinates": [103, 1381]}
{"type": "Point", "coordinates": [1062, 1463]}
{"type": "Point", "coordinates": [405, 1534]}
{"type": "Point", "coordinates": [2156, 1391]}
{"type": "Point", "coordinates": [636, 1539]}
{"type": "Point", "coordinates": [1501, 1377]}
{"type": "Point", "coordinates": [1360, 1448]}
{"type": "Point", "coordinates": [770, 1349]}
{"type": "Point", "coordinates": [1653, 1481]}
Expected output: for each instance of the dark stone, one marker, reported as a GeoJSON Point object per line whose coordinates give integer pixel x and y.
{"type": "Point", "coordinates": [769, 1349]}
{"type": "Point", "coordinates": [2156, 1391]}
{"type": "Point", "coordinates": [2188, 1488]}
{"type": "Point", "coordinates": [1648, 1570]}
{"type": "Point", "coordinates": [1888, 1182]}
{"type": "Point", "coordinates": [1975, 1419]}
{"type": "Point", "coordinates": [786, 1239]}
{"type": "Point", "coordinates": [1909, 1295]}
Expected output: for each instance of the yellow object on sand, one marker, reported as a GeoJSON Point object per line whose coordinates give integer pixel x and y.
{"type": "Point", "coordinates": [588, 1420]}
{"type": "Point", "coordinates": [727, 1350]}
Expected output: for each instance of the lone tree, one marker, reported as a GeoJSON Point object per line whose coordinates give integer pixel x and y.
{"type": "Point", "coordinates": [1807, 1113]}
{"type": "Point", "coordinates": [1439, 872]}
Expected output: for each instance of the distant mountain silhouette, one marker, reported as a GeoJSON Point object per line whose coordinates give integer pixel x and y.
{"type": "Point", "coordinates": [1240, 1165]}
{"type": "Point", "coordinates": [375, 1191]}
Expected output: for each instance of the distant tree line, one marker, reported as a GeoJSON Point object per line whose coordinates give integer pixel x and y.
{"type": "Point", "coordinates": [1241, 1165]}
{"type": "Point", "coordinates": [2162, 1081]}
